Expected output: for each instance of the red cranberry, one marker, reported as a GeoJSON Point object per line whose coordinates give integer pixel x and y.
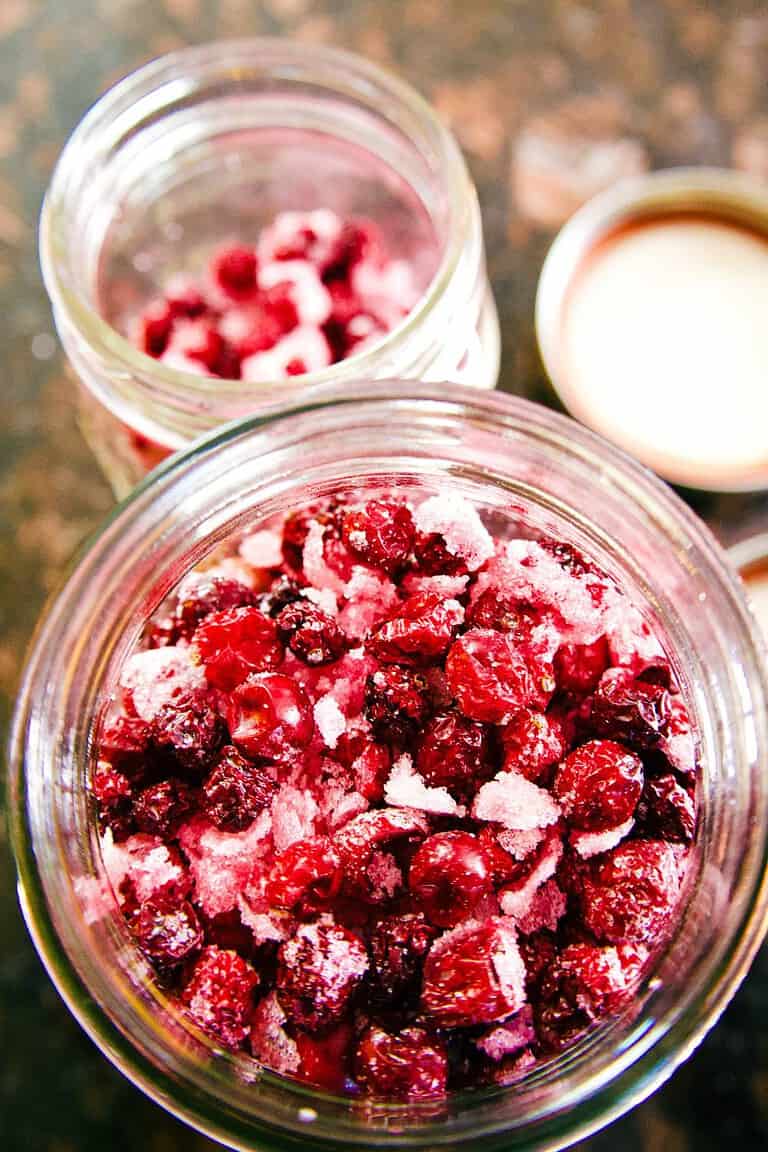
{"type": "Point", "coordinates": [399, 945]}
{"type": "Point", "coordinates": [380, 533]}
{"type": "Point", "coordinates": [412, 1065]}
{"type": "Point", "coordinates": [628, 709]}
{"type": "Point", "coordinates": [396, 703]}
{"type": "Point", "coordinates": [161, 808]}
{"type": "Point", "coordinates": [227, 931]}
{"type": "Point", "coordinates": [325, 1059]}
{"type": "Point", "coordinates": [570, 558]}
{"type": "Point", "coordinates": [235, 272]}
{"type": "Point", "coordinates": [596, 979]}
{"type": "Point", "coordinates": [307, 873]}
{"type": "Point", "coordinates": [433, 557]}
{"type": "Point", "coordinates": [453, 753]}
{"type": "Point", "coordinates": [473, 975]}
{"type": "Point", "coordinates": [282, 591]}
{"type": "Point", "coordinates": [310, 633]}
{"type": "Point", "coordinates": [420, 632]}
{"type": "Point", "coordinates": [191, 729]}
{"type": "Point", "coordinates": [185, 302]}
{"type": "Point", "coordinates": [319, 969]}
{"type": "Point", "coordinates": [490, 678]}
{"type": "Point", "coordinates": [295, 532]}
{"type": "Point", "coordinates": [234, 643]}
{"type": "Point", "coordinates": [270, 716]}
{"type": "Point", "coordinates": [449, 876]}
{"type": "Point", "coordinates": [666, 810]}
{"type": "Point", "coordinates": [219, 995]}
{"type": "Point", "coordinates": [209, 595]}
{"type": "Point", "coordinates": [503, 867]}
{"type": "Point", "coordinates": [358, 840]}
{"type": "Point", "coordinates": [155, 328]}
{"type": "Point", "coordinates": [124, 742]}
{"type": "Point", "coordinates": [558, 1023]}
{"type": "Point", "coordinates": [503, 613]}
{"type": "Point", "coordinates": [599, 785]}
{"type": "Point", "coordinates": [236, 791]}
{"type": "Point", "coordinates": [357, 241]}
{"type": "Point", "coordinates": [578, 667]}
{"type": "Point", "coordinates": [533, 741]}
{"type": "Point", "coordinates": [110, 787]}
{"type": "Point", "coordinates": [272, 316]}
{"type": "Point", "coordinates": [631, 892]}
{"type": "Point", "coordinates": [168, 930]}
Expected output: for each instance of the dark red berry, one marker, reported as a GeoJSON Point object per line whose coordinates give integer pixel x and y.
{"type": "Point", "coordinates": [235, 272]}
{"type": "Point", "coordinates": [473, 975]}
{"type": "Point", "coordinates": [360, 838]}
{"type": "Point", "coordinates": [209, 595]}
{"type": "Point", "coordinates": [578, 667]}
{"type": "Point", "coordinates": [319, 969]}
{"type": "Point", "coordinates": [308, 873]}
{"type": "Point", "coordinates": [234, 643]}
{"type": "Point", "coordinates": [270, 716]}
{"type": "Point", "coordinates": [168, 930]}
{"type": "Point", "coordinates": [433, 557]}
{"type": "Point", "coordinates": [191, 729]}
{"type": "Point", "coordinates": [155, 328]}
{"type": "Point", "coordinates": [453, 753]}
{"type": "Point", "coordinates": [219, 995]}
{"type": "Point", "coordinates": [411, 1065]}
{"type": "Point", "coordinates": [310, 633]}
{"type": "Point", "coordinates": [533, 741]}
{"type": "Point", "coordinates": [381, 533]}
{"type": "Point", "coordinates": [236, 791]}
{"type": "Point", "coordinates": [282, 591]}
{"type": "Point", "coordinates": [597, 979]}
{"type": "Point", "coordinates": [420, 632]}
{"type": "Point", "coordinates": [161, 808]}
{"type": "Point", "coordinates": [399, 945]}
{"type": "Point", "coordinates": [110, 787]}
{"type": "Point", "coordinates": [666, 810]}
{"type": "Point", "coordinates": [124, 742]}
{"type": "Point", "coordinates": [449, 876]}
{"type": "Point", "coordinates": [490, 678]}
{"type": "Point", "coordinates": [629, 709]}
{"type": "Point", "coordinates": [503, 612]}
{"type": "Point", "coordinates": [185, 301]}
{"type": "Point", "coordinates": [631, 892]}
{"type": "Point", "coordinates": [396, 703]}
{"type": "Point", "coordinates": [598, 786]}
{"type": "Point", "coordinates": [357, 241]}
{"type": "Point", "coordinates": [325, 1060]}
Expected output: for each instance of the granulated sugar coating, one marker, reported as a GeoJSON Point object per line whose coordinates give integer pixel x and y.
{"type": "Point", "coordinates": [395, 805]}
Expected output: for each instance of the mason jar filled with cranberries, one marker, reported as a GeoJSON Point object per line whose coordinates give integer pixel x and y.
{"type": "Point", "coordinates": [392, 772]}
{"type": "Point", "coordinates": [236, 222]}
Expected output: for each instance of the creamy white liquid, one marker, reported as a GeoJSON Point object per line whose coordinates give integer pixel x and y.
{"type": "Point", "coordinates": [665, 349]}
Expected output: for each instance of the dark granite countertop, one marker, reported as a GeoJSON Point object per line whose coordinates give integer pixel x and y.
{"type": "Point", "coordinates": [655, 82]}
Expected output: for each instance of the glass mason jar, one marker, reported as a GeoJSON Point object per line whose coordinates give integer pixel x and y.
{"type": "Point", "coordinates": [504, 454]}
{"type": "Point", "coordinates": [205, 146]}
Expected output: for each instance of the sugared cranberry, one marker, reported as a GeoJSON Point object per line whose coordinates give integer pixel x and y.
{"type": "Point", "coordinates": [491, 680]}
{"type": "Point", "coordinates": [629, 709]}
{"type": "Point", "coordinates": [502, 612]}
{"type": "Point", "coordinates": [596, 979]}
{"type": "Point", "coordinates": [599, 785]}
{"type": "Point", "coordinates": [533, 741]}
{"type": "Point", "coordinates": [473, 975]}
{"type": "Point", "coordinates": [155, 328]}
{"type": "Point", "coordinates": [399, 945]}
{"type": "Point", "coordinates": [570, 558]}
{"type": "Point", "coordinates": [381, 533]}
{"type": "Point", "coordinates": [666, 810]}
{"type": "Point", "coordinates": [219, 995]}
{"type": "Point", "coordinates": [282, 591]}
{"type": "Point", "coordinates": [433, 557]}
{"type": "Point", "coordinates": [420, 632]}
{"type": "Point", "coordinates": [161, 808]}
{"type": "Point", "coordinates": [358, 240]}
{"type": "Point", "coordinates": [310, 633]}
{"type": "Point", "coordinates": [578, 667]}
{"type": "Point", "coordinates": [185, 301]}
{"type": "Point", "coordinates": [325, 1060]}
{"type": "Point", "coordinates": [191, 729]}
{"type": "Point", "coordinates": [357, 841]}
{"type": "Point", "coordinates": [396, 703]}
{"type": "Point", "coordinates": [124, 742]}
{"type": "Point", "coordinates": [235, 791]}
{"type": "Point", "coordinates": [270, 716]}
{"type": "Point", "coordinates": [168, 930]}
{"type": "Point", "coordinates": [110, 787]}
{"type": "Point", "coordinates": [234, 643]}
{"type": "Point", "coordinates": [411, 1065]}
{"type": "Point", "coordinates": [319, 969]}
{"type": "Point", "coordinates": [308, 873]}
{"type": "Point", "coordinates": [449, 876]}
{"type": "Point", "coordinates": [631, 892]}
{"type": "Point", "coordinates": [235, 272]}
{"type": "Point", "coordinates": [453, 753]}
{"type": "Point", "coordinates": [209, 595]}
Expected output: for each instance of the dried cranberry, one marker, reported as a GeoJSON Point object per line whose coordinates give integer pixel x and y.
{"type": "Point", "coordinates": [503, 866]}
{"type": "Point", "coordinates": [295, 532]}
{"type": "Point", "coordinates": [490, 679]}
{"type": "Point", "coordinates": [209, 595]}
{"type": "Point", "coordinates": [235, 272]}
{"type": "Point", "coordinates": [396, 703]}
{"type": "Point", "coordinates": [168, 930]}
{"type": "Point", "coordinates": [449, 876]}
{"type": "Point", "coordinates": [453, 753]}
{"type": "Point", "coordinates": [357, 241]}
{"type": "Point", "coordinates": [473, 975]}
{"type": "Point", "coordinates": [155, 328]}
{"type": "Point", "coordinates": [631, 892]}
{"type": "Point", "coordinates": [124, 742]}
{"type": "Point", "coordinates": [420, 632]}
{"type": "Point", "coordinates": [596, 979]}
{"type": "Point", "coordinates": [161, 808]}
{"type": "Point", "coordinates": [110, 787]}
{"type": "Point", "coordinates": [236, 642]}
{"type": "Point", "coordinates": [538, 950]}
{"type": "Point", "coordinates": [399, 945]}
{"type": "Point", "coordinates": [666, 810]}
{"type": "Point", "coordinates": [503, 613]}
{"type": "Point", "coordinates": [433, 557]}
{"type": "Point", "coordinates": [235, 791]}
{"type": "Point", "coordinates": [570, 558]}
{"type": "Point", "coordinates": [578, 667]}
{"type": "Point", "coordinates": [270, 716]}
{"type": "Point", "coordinates": [282, 591]}
{"type": "Point", "coordinates": [306, 873]}
{"type": "Point", "coordinates": [319, 969]}
{"type": "Point", "coordinates": [558, 1023]}
{"type": "Point", "coordinates": [360, 838]}
{"type": "Point", "coordinates": [629, 709]}
{"type": "Point", "coordinates": [227, 931]}
{"type": "Point", "coordinates": [185, 301]}
{"type": "Point", "coordinates": [599, 785]}
{"type": "Point", "coordinates": [192, 729]}
{"type": "Point", "coordinates": [533, 741]}
{"type": "Point", "coordinates": [219, 995]}
{"type": "Point", "coordinates": [381, 533]}
{"type": "Point", "coordinates": [310, 633]}
{"type": "Point", "coordinates": [411, 1065]}
{"type": "Point", "coordinates": [325, 1059]}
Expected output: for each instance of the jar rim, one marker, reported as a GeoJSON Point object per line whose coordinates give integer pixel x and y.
{"type": "Point", "coordinates": [352, 75]}
{"type": "Point", "coordinates": [642, 1066]}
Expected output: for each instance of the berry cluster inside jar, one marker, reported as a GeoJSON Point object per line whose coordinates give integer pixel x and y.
{"type": "Point", "coordinates": [312, 290]}
{"type": "Point", "coordinates": [396, 805]}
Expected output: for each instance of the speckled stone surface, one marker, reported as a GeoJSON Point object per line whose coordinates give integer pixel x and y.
{"type": "Point", "coordinates": [661, 81]}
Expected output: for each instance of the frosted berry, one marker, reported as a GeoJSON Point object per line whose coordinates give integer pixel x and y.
{"type": "Point", "coordinates": [206, 596]}
{"type": "Point", "coordinates": [473, 975]}
{"type": "Point", "coordinates": [381, 533]}
{"type": "Point", "coordinates": [666, 810]}
{"type": "Point", "coordinates": [411, 1065]}
{"type": "Point", "coordinates": [161, 808]}
{"type": "Point", "coordinates": [310, 633]}
{"type": "Point", "coordinates": [578, 667]}
{"type": "Point", "coordinates": [270, 716]}
{"type": "Point", "coordinates": [235, 791]}
{"type": "Point", "coordinates": [490, 679]}
{"type": "Point", "coordinates": [191, 729]}
{"type": "Point", "coordinates": [219, 995]}
{"type": "Point", "coordinates": [631, 892]}
{"type": "Point", "coordinates": [533, 741]}
{"type": "Point", "coordinates": [433, 557]}
{"type": "Point", "coordinates": [449, 876]}
{"type": "Point", "coordinates": [124, 741]}
{"type": "Point", "coordinates": [168, 930]}
{"type": "Point", "coordinates": [453, 753]}
{"type": "Point", "coordinates": [399, 945]}
{"type": "Point", "coordinates": [630, 709]}
{"type": "Point", "coordinates": [319, 969]}
{"type": "Point", "coordinates": [234, 643]}
{"type": "Point", "coordinates": [306, 874]}
{"type": "Point", "coordinates": [325, 1060]}
{"type": "Point", "coordinates": [599, 785]}
{"type": "Point", "coordinates": [396, 703]}
{"type": "Point", "coordinates": [235, 272]}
